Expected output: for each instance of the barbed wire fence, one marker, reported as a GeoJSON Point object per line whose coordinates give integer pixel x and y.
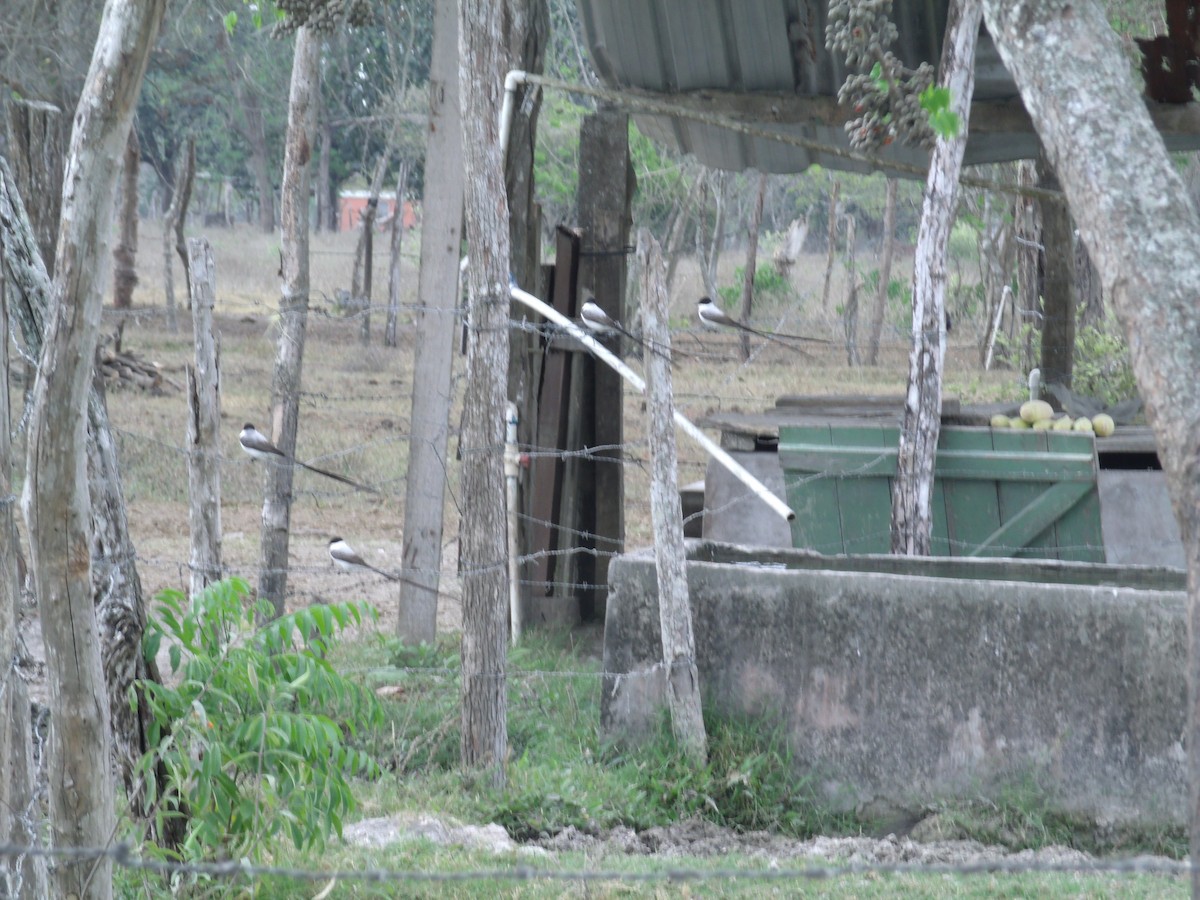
{"type": "Point", "coordinates": [150, 456]}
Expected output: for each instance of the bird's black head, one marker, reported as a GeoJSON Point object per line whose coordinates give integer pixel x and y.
{"type": "Point", "coordinates": [704, 300]}
{"type": "Point", "coordinates": [248, 426]}
{"type": "Point", "coordinates": [333, 541]}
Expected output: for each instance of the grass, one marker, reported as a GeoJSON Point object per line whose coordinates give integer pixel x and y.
{"type": "Point", "coordinates": [561, 774]}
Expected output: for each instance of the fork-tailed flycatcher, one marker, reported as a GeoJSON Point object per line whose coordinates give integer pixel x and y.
{"type": "Point", "coordinates": [599, 322]}
{"type": "Point", "coordinates": [715, 319]}
{"type": "Point", "coordinates": [259, 446]}
{"type": "Point", "coordinates": [347, 560]}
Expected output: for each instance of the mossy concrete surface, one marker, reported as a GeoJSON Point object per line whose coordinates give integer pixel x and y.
{"type": "Point", "coordinates": [904, 683]}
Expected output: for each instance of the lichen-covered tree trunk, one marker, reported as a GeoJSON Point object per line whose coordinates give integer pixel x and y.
{"type": "Point", "coordinates": [670, 557]}
{"type": "Point", "coordinates": [1143, 234]}
{"type": "Point", "coordinates": [56, 502]}
{"type": "Point", "coordinates": [748, 272]}
{"type": "Point", "coordinates": [395, 242]}
{"type": "Point", "coordinates": [481, 58]}
{"type": "Point", "coordinates": [20, 876]}
{"type": "Point", "coordinates": [204, 423]}
{"type": "Point", "coordinates": [1058, 284]}
{"type": "Point", "coordinates": [912, 488]}
{"type": "Point", "coordinates": [284, 419]}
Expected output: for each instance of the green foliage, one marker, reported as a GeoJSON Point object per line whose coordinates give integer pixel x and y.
{"type": "Point", "coordinates": [1101, 366]}
{"type": "Point", "coordinates": [936, 102]}
{"type": "Point", "coordinates": [768, 283]}
{"type": "Point", "coordinates": [256, 737]}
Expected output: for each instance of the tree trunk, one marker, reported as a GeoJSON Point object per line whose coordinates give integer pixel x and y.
{"type": "Point", "coordinates": [326, 208]}
{"type": "Point", "coordinates": [185, 180]}
{"type": "Point", "coordinates": [1028, 216]}
{"type": "Point", "coordinates": [484, 542]}
{"type": "Point", "coordinates": [395, 261]}
{"type": "Point", "coordinates": [35, 146]}
{"type": "Point", "coordinates": [710, 256]}
{"type": "Point", "coordinates": [885, 272]}
{"type": "Point", "coordinates": [204, 424]}
{"type": "Point", "coordinates": [293, 314]}
{"type": "Point", "coordinates": [364, 252]}
{"type": "Point", "coordinates": [679, 227]}
{"type": "Point", "coordinates": [830, 246]}
{"type": "Point", "coordinates": [850, 315]}
{"type": "Point", "coordinates": [124, 256]}
{"type": "Point", "coordinates": [174, 214]}
{"type": "Point", "coordinates": [116, 586]}
{"type": "Point", "coordinates": [751, 262]}
{"type": "Point", "coordinates": [912, 488]}
{"type": "Point", "coordinates": [437, 292]}
{"type": "Point", "coordinates": [1089, 293]}
{"type": "Point", "coordinates": [56, 503]}
{"type": "Point", "coordinates": [253, 129]}
{"type": "Point", "coordinates": [1142, 232]}
{"type": "Point", "coordinates": [23, 876]}
{"type": "Point", "coordinates": [670, 557]}
{"type": "Point", "coordinates": [1058, 288]}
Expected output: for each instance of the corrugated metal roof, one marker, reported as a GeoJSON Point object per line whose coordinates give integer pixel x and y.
{"type": "Point", "coordinates": [777, 47]}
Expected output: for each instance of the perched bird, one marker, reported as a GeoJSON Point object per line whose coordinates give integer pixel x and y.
{"type": "Point", "coordinates": [715, 319]}
{"type": "Point", "coordinates": [259, 446]}
{"type": "Point", "coordinates": [597, 321]}
{"type": "Point", "coordinates": [347, 560]}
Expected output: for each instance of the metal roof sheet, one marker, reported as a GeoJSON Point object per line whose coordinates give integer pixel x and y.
{"type": "Point", "coordinates": [777, 47]}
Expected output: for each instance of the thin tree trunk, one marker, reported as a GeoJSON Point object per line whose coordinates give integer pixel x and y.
{"type": "Point", "coordinates": [364, 253]}
{"type": "Point", "coordinates": [125, 254]}
{"type": "Point", "coordinates": [1089, 291]}
{"type": "Point", "coordinates": [293, 313]}
{"type": "Point", "coordinates": [1028, 216]}
{"type": "Point", "coordinates": [885, 272]}
{"type": "Point", "coordinates": [324, 192]}
{"type": "Point", "coordinates": [1058, 288]}
{"type": "Point", "coordinates": [437, 291]}
{"type": "Point", "coordinates": [1143, 234]}
{"type": "Point", "coordinates": [830, 246]}
{"type": "Point", "coordinates": [186, 180]}
{"type": "Point", "coordinates": [912, 488]}
{"type": "Point", "coordinates": [56, 503]}
{"type": "Point", "coordinates": [253, 129]}
{"type": "Point", "coordinates": [751, 262]}
{"type": "Point", "coordinates": [395, 259]}
{"type": "Point", "coordinates": [175, 212]}
{"type": "Point", "coordinates": [22, 876]}
{"type": "Point", "coordinates": [204, 424]}
{"type": "Point", "coordinates": [850, 318]}
{"type": "Point", "coordinates": [484, 539]}
{"type": "Point", "coordinates": [674, 611]}
{"type": "Point", "coordinates": [679, 226]}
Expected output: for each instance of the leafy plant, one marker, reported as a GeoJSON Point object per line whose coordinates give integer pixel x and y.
{"type": "Point", "coordinates": [255, 738]}
{"type": "Point", "coordinates": [1101, 367]}
{"type": "Point", "coordinates": [768, 283]}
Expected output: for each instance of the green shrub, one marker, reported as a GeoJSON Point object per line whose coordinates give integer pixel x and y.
{"type": "Point", "coordinates": [1101, 367]}
{"type": "Point", "coordinates": [255, 737]}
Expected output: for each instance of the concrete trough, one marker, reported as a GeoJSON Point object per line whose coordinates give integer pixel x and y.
{"type": "Point", "coordinates": [901, 683]}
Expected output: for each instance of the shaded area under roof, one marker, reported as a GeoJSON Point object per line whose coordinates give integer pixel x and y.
{"type": "Point", "coordinates": [765, 62]}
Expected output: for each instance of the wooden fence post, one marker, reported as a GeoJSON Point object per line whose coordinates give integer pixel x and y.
{"type": "Point", "coordinates": [675, 615]}
{"type": "Point", "coordinates": [204, 423]}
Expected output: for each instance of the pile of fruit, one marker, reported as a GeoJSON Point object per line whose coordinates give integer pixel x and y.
{"type": "Point", "coordinates": [1039, 415]}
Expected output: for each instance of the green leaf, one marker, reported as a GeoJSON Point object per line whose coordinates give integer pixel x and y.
{"type": "Point", "coordinates": [230, 21]}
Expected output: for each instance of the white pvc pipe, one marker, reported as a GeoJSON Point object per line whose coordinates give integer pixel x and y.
{"type": "Point", "coordinates": [511, 80]}
{"type": "Point", "coordinates": [606, 356]}
{"type": "Point", "coordinates": [512, 471]}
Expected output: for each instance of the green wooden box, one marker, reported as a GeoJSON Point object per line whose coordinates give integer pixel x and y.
{"type": "Point", "coordinates": [996, 492]}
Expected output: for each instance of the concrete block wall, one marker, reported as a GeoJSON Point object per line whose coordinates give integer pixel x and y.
{"type": "Point", "coordinates": [900, 686]}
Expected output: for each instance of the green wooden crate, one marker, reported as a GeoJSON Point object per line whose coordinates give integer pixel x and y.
{"type": "Point", "coordinates": [996, 492]}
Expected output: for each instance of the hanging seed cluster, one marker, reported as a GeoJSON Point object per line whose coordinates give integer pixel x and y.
{"type": "Point", "coordinates": [863, 30]}
{"type": "Point", "coordinates": [322, 15]}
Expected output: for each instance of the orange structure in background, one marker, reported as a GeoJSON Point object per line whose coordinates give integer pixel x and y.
{"type": "Point", "coordinates": [352, 204]}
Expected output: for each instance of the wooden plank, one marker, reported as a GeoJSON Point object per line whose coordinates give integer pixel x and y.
{"type": "Point", "coordinates": [814, 498]}
{"type": "Point", "coordinates": [972, 508]}
{"type": "Point", "coordinates": [865, 499]}
{"type": "Point", "coordinates": [1014, 495]}
{"type": "Point", "coordinates": [546, 468]}
{"type": "Point", "coordinates": [1078, 534]}
{"type": "Point", "coordinates": [1034, 520]}
{"type": "Point", "coordinates": [604, 197]}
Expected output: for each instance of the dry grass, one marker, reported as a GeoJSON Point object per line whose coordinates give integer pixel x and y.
{"type": "Point", "coordinates": [354, 412]}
